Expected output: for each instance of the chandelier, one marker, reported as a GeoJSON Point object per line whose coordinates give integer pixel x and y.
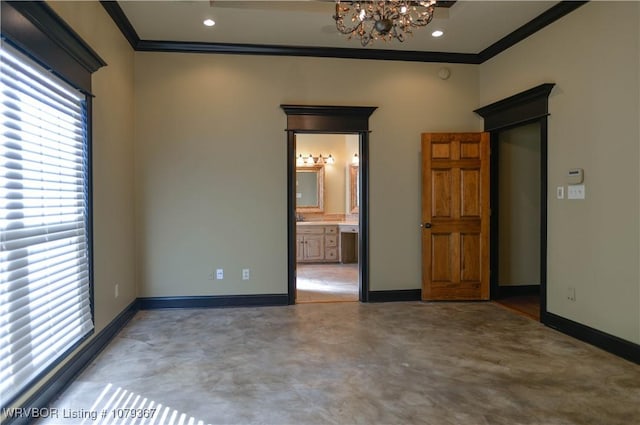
{"type": "Point", "coordinates": [386, 20]}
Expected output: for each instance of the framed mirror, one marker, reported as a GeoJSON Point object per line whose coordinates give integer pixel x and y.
{"type": "Point", "coordinates": [310, 188]}
{"type": "Point", "coordinates": [354, 189]}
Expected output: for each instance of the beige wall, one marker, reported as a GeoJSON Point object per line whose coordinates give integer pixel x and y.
{"type": "Point", "coordinates": [211, 162]}
{"type": "Point", "coordinates": [113, 120]}
{"type": "Point", "coordinates": [592, 244]}
{"type": "Point", "coordinates": [519, 209]}
{"type": "Point", "coordinates": [113, 238]}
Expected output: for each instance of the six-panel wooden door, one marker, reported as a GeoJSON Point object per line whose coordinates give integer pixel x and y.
{"type": "Point", "coordinates": [455, 216]}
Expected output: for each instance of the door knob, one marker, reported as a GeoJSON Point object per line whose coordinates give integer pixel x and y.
{"type": "Point", "coordinates": [427, 225]}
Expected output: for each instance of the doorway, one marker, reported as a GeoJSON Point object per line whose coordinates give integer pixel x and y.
{"type": "Point", "coordinates": [527, 107]}
{"type": "Point", "coordinates": [304, 119]}
{"type": "Point", "coordinates": [327, 217]}
{"type": "Point", "coordinates": [517, 152]}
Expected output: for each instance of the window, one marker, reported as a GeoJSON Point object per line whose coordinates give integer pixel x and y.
{"type": "Point", "coordinates": [45, 291]}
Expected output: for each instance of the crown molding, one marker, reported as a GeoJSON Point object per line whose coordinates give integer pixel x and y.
{"type": "Point", "coordinates": [305, 51]}
{"type": "Point", "coordinates": [118, 16]}
{"type": "Point", "coordinates": [536, 24]}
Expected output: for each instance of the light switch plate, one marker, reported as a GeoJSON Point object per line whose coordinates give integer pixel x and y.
{"type": "Point", "coordinates": [560, 192]}
{"type": "Point", "coordinates": [576, 191]}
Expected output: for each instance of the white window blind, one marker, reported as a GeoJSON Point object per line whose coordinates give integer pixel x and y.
{"type": "Point", "coordinates": [45, 300]}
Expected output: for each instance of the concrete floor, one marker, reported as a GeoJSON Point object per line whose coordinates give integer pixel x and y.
{"type": "Point", "coordinates": [352, 363]}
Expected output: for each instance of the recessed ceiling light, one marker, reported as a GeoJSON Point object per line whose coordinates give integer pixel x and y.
{"type": "Point", "coordinates": [437, 33]}
{"type": "Point", "coordinates": [209, 22]}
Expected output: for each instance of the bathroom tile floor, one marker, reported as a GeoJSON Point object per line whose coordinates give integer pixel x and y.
{"type": "Point", "coordinates": [351, 363]}
{"type": "Point", "coordinates": [326, 283]}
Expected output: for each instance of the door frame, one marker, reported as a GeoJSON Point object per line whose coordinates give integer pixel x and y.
{"type": "Point", "coordinates": [335, 120]}
{"type": "Point", "coordinates": [527, 107]}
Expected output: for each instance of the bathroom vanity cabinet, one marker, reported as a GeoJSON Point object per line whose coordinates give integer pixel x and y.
{"type": "Point", "coordinates": [316, 243]}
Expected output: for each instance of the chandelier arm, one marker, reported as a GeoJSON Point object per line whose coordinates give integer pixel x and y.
{"type": "Point", "coordinates": [339, 17]}
{"type": "Point", "coordinates": [348, 31]}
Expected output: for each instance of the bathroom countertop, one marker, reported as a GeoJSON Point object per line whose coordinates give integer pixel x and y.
{"type": "Point", "coordinates": [325, 223]}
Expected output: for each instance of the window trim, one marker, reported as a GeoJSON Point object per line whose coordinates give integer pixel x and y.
{"type": "Point", "coordinates": [34, 28]}
{"type": "Point", "coordinates": [37, 31]}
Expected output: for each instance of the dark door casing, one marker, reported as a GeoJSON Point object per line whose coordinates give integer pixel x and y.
{"type": "Point", "coordinates": [328, 119]}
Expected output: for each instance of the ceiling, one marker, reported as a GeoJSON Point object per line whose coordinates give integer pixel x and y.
{"type": "Point", "coordinates": [469, 26]}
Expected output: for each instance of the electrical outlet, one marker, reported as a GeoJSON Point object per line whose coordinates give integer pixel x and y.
{"type": "Point", "coordinates": [576, 191]}
{"type": "Point", "coordinates": [571, 294]}
{"type": "Point", "coordinates": [116, 290]}
{"type": "Point", "coordinates": [219, 274]}
{"type": "Point", "coordinates": [246, 274]}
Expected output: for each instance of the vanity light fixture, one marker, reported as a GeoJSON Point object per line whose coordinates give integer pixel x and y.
{"type": "Point", "coordinates": [302, 160]}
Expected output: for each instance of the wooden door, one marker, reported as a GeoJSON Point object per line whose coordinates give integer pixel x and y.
{"type": "Point", "coordinates": [455, 216]}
